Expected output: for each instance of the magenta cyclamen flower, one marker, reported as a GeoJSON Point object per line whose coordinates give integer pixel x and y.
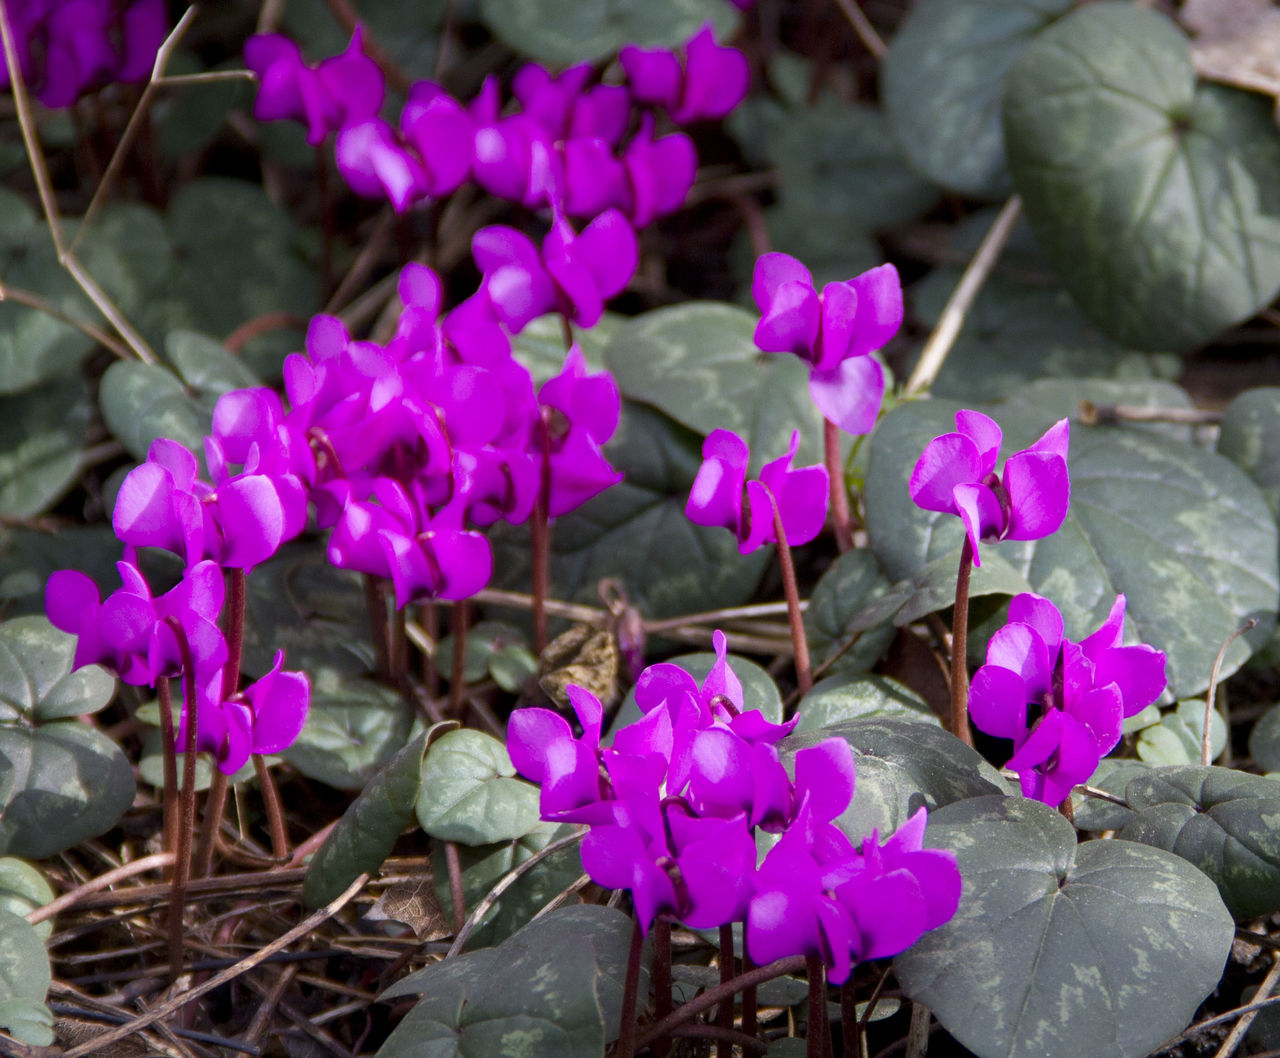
{"type": "Point", "coordinates": [342, 89]}
{"type": "Point", "coordinates": [711, 81]}
{"type": "Point", "coordinates": [131, 633]}
{"type": "Point", "coordinates": [429, 155]}
{"type": "Point", "coordinates": [74, 46]}
{"type": "Point", "coordinates": [956, 475]}
{"type": "Point", "coordinates": [723, 496]}
{"type": "Point", "coordinates": [573, 274]}
{"type": "Point", "coordinates": [833, 332]}
{"type": "Point", "coordinates": [1062, 703]}
{"type": "Point", "coordinates": [581, 414]}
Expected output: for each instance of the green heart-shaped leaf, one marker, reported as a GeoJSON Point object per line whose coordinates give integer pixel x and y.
{"type": "Point", "coordinates": [1157, 200]}
{"type": "Point", "coordinates": [368, 829]}
{"type": "Point", "coordinates": [470, 792]}
{"type": "Point", "coordinates": [1059, 950]}
{"type": "Point", "coordinates": [1222, 821]}
{"type": "Point", "coordinates": [942, 80]}
{"type": "Point", "coordinates": [553, 990]}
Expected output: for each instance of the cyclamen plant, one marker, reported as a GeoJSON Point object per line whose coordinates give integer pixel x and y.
{"type": "Point", "coordinates": [413, 445]}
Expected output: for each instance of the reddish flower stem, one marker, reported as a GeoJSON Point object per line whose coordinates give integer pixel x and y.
{"type": "Point", "coordinates": [169, 755]}
{"type": "Point", "coordinates": [215, 805]}
{"type": "Point", "coordinates": [804, 675]}
{"type": "Point", "coordinates": [960, 648]}
{"type": "Point", "coordinates": [626, 1046]}
{"type": "Point", "coordinates": [850, 1026]}
{"type": "Point", "coordinates": [540, 537]}
{"type": "Point", "coordinates": [816, 1023]}
{"type": "Point", "coordinates": [187, 805]}
{"type": "Point", "coordinates": [840, 511]}
{"type": "Point", "coordinates": [724, 1013]}
{"type": "Point", "coordinates": [275, 810]}
{"type": "Point", "coordinates": [661, 979]}
{"type": "Point", "coordinates": [749, 1026]}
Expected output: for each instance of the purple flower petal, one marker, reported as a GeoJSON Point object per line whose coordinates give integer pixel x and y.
{"type": "Point", "coordinates": [1039, 489]}
{"type": "Point", "coordinates": [850, 395]}
{"type": "Point", "coordinates": [947, 461]}
{"type": "Point", "coordinates": [998, 702]}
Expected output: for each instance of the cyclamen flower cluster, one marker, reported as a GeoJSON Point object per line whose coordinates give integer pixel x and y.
{"type": "Point", "coordinates": [562, 149]}
{"type": "Point", "coordinates": [69, 47]}
{"type": "Point", "coordinates": [405, 449]}
{"type": "Point", "coordinates": [1062, 703]}
{"type": "Point", "coordinates": [145, 640]}
{"type": "Point", "coordinates": [674, 805]}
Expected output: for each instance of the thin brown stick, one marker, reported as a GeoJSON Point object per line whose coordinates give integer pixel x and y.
{"type": "Point", "coordinates": [254, 882]}
{"type": "Point", "coordinates": [686, 1012]}
{"type": "Point", "coordinates": [102, 881]}
{"type": "Point", "coordinates": [246, 964]}
{"type": "Point", "coordinates": [35, 301]}
{"type": "Point", "coordinates": [1233, 1040]}
{"type": "Point", "coordinates": [1206, 738]}
{"type": "Point", "coordinates": [934, 353]}
{"type": "Point", "coordinates": [135, 123]}
{"type": "Point", "coordinates": [48, 202]}
{"type": "Point", "coordinates": [866, 32]}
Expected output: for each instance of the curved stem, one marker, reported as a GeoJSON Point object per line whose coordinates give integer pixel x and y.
{"type": "Point", "coordinates": [839, 493]}
{"type": "Point", "coordinates": [626, 1047]}
{"type": "Point", "coordinates": [960, 647]}
{"type": "Point", "coordinates": [237, 598]}
{"type": "Point", "coordinates": [795, 618]}
{"type": "Point", "coordinates": [275, 811]}
{"type": "Point", "coordinates": [214, 806]}
{"type": "Point", "coordinates": [187, 812]}
{"type": "Point", "coordinates": [540, 538]}
{"type": "Point", "coordinates": [169, 751]}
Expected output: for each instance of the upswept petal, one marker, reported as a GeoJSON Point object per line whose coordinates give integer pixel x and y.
{"type": "Point", "coordinates": [947, 461]}
{"type": "Point", "coordinates": [1039, 488]}
{"type": "Point", "coordinates": [986, 436]}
